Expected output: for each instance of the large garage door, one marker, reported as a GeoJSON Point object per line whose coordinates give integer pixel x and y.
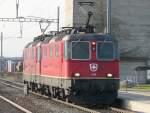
{"type": "Point", "coordinates": [127, 71]}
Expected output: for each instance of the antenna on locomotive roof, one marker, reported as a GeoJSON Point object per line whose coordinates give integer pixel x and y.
{"type": "Point", "coordinates": [89, 28]}
{"type": "Point", "coordinates": [108, 29]}
{"type": "Point", "coordinates": [89, 17]}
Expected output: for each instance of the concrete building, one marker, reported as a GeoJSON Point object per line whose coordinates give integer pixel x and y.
{"type": "Point", "coordinates": [130, 25]}
{"type": "Point", "coordinates": [77, 13]}
{"type": "Point", "coordinates": [11, 66]}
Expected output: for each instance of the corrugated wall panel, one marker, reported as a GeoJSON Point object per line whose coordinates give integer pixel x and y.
{"type": "Point", "coordinates": [127, 71]}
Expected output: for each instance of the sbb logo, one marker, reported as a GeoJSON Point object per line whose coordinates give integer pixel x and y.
{"type": "Point", "coordinates": [93, 67]}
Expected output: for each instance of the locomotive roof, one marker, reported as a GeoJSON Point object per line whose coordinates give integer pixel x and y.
{"type": "Point", "coordinates": [90, 37]}
{"type": "Point", "coordinates": [74, 37]}
{"type": "Point", "coordinates": [28, 45]}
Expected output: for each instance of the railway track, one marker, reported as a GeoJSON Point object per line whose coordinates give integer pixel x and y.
{"type": "Point", "coordinates": [20, 108]}
{"type": "Point", "coordinates": [20, 86]}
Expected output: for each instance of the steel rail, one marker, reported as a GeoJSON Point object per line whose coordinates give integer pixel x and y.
{"type": "Point", "coordinates": [12, 103]}
{"type": "Point", "coordinates": [59, 101]}
{"type": "Point", "coordinates": [68, 104]}
{"type": "Point", "coordinates": [11, 86]}
{"type": "Point", "coordinates": [15, 105]}
{"type": "Point", "coordinates": [117, 110]}
{"type": "Point", "coordinates": [121, 110]}
{"type": "Point", "coordinates": [17, 83]}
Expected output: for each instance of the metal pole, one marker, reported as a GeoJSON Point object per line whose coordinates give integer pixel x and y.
{"type": "Point", "coordinates": [1, 44]}
{"type": "Point", "coordinates": [17, 8]}
{"type": "Point", "coordinates": [1, 50]}
{"type": "Point", "coordinates": [108, 17]}
{"type": "Point", "coordinates": [58, 18]}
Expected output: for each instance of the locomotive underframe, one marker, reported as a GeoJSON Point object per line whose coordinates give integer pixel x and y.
{"type": "Point", "coordinates": [89, 91]}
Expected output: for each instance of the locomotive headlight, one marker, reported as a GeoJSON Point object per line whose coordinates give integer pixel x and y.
{"type": "Point", "coordinates": [93, 43]}
{"type": "Point", "coordinates": [77, 74]}
{"type": "Point", "coordinates": [109, 75]}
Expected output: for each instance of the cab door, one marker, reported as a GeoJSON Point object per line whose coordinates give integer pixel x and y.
{"type": "Point", "coordinates": [38, 63]}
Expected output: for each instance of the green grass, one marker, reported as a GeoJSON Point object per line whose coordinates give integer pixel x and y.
{"type": "Point", "coordinates": [137, 87]}
{"type": "Point", "coordinates": [144, 86]}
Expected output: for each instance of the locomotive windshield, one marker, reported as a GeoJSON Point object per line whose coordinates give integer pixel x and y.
{"type": "Point", "coordinates": [105, 51]}
{"type": "Point", "coordinates": [80, 50]}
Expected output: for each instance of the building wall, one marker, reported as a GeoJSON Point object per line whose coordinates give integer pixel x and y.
{"type": "Point", "coordinates": [69, 13]}
{"type": "Point", "coordinates": [130, 25]}
{"type": "Point", "coordinates": [128, 72]}
{"type": "Point", "coordinates": [130, 22]}
{"type": "Point", "coordinates": [76, 15]}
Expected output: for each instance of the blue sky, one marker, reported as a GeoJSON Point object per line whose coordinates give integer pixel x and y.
{"type": "Point", "coordinates": [38, 8]}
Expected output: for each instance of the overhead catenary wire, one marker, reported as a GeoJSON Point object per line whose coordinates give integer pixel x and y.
{"type": "Point", "coordinates": [36, 9]}
{"type": "Point", "coordinates": [2, 2]}
{"type": "Point", "coordinates": [22, 28]}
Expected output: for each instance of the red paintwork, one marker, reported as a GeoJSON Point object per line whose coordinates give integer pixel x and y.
{"type": "Point", "coordinates": [59, 67]}
{"type": "Point", "coordinates": [83, 67]}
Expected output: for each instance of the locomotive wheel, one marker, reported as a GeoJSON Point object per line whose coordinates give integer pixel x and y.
{"type": "Point", "coordinates": [53, 92]}
{"type": "Point", "coordinates": [36, 87]}
{"type": "Point", "coordinates": [42, 89]}
{"type": "Point", "coordinates": [67, 99]}
{"type": "Point", "coordinates": [47, 91]}
{"type": "Point", "coordinates": [57, 92]}
{"type": "Point", "coordinates": [31, 86]}
{"type": "Point", "coordinates": [62, 93]}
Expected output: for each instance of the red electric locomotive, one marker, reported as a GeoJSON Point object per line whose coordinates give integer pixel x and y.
{"type": "Point", "coordinates": [75, 64]}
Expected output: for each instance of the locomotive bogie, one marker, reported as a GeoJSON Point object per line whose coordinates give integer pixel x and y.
{"type": "Point", "coordinates": [98, 91]}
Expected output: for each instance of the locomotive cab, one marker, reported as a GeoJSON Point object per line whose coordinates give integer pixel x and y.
{"type": "Point", "coordinates": [92, 64]}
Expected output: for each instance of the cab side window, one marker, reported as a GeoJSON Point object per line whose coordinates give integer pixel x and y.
{"type": "Point", "coordinates": [38, 54]}
{"type": "Point", "coordinates": [33, 53]}
{"type": "Point", "coordinates": [56, 51]}
{"type": "Point", "coordinates": [51, 51]}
